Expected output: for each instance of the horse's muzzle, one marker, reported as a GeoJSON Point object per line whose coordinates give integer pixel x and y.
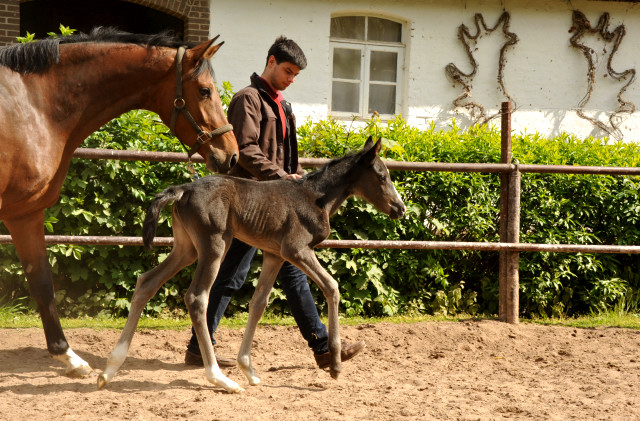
{"type": "Point", "coordinates": [397, 210]}
{"type": "Point", "coordinates": [219, 166]}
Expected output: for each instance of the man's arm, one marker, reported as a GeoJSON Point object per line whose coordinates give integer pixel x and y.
{"type": "Point", "coordinates": [245, 115]}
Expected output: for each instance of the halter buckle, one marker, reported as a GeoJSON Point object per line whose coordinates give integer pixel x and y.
{"type": "Point", "coordinates": [203, 137]}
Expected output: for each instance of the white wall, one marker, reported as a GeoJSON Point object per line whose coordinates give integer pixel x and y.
{"type": "Point", "coordinates": [545, 76]}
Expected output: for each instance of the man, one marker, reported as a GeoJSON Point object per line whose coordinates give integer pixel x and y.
{"type": "Point", "coordinates": [265, 129]}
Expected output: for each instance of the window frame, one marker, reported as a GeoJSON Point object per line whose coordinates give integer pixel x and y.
{"type": "Point", "coordinates": [366, 47]}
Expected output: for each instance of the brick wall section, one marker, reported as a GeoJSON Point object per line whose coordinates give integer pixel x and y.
{"type": "Point", "coordinates": [194, 13]}
{"type": "Point", "coordinates": [9, 21]}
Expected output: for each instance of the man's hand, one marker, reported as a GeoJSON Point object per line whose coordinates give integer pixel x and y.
{"type": "Point", "coordinates": [293, 177]}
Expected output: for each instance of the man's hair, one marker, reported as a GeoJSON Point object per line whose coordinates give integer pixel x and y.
{"type": "Point", "coordinates": [286, 50]}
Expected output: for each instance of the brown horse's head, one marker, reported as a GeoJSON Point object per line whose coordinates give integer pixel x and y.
{"type": "Point", "coordinates": [199, 119]}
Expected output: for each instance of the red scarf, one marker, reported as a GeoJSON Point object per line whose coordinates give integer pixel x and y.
{"type": "Point", "coordinates": [277, 97]}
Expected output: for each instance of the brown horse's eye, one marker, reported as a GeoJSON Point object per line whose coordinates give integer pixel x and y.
{"type": "Point", "coordinates": [205, 92]}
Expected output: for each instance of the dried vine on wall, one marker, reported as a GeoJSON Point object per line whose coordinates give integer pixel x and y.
{"type": "Point", "coordinates": [582, 27]}
{"type": "Point", "coordinates": [476, 110]}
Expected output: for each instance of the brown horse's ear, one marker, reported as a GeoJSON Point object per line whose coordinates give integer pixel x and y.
{"type": "Point", "coordinates": [207, 49]}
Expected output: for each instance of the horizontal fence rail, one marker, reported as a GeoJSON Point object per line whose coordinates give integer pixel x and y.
{"type": "Point", "coordinates": [89, 240]}
{"type": "Point", "coordinates": [90, 153]}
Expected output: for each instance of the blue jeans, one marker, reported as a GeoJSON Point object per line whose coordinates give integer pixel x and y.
{"type": "Point", "coordinates": [232, 275]}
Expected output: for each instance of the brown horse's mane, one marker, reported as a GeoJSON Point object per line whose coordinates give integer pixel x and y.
{"type": "Point", "coordinates": [36, 57]}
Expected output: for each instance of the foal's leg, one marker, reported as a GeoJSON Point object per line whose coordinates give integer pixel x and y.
{"type": "Point", "coordinates": [182, 255]}
{"type": "Point", "coordinates": [270, 267]}
{"type": "Point", "coordinates": [28, 237]}
{"type": "Point", "coordinates": [210, 255]}
{"type": "Point", "coordinates": [307, 261]}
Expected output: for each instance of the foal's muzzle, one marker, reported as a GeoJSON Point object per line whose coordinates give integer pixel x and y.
{"type": "Point", "coordinates": [397, 210]}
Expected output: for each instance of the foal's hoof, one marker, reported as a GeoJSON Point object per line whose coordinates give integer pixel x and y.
{"type": "Point", "coordinates": [102, 381]}
{"type": "Point", "coordinates": [334, 373]}
{"type": "Point", "coordinates": [80, 372]}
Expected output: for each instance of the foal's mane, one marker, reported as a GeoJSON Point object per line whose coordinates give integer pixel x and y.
{"type": "Point", "coordinates": [36, 57]}
{"type": "Point", "coordinates": [334, 170]}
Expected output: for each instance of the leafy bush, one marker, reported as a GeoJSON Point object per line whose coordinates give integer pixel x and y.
{"type": "Point", "coordinates": [584, 209]}
{"type": "Point", "coordinates": [110, 198]}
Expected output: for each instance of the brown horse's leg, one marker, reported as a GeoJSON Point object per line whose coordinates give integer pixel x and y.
{"type": "Point", "coordinates": [27, 234]}
{"type": "Point", "coordinates": [271, 265]}
{"type": "Point", "coordinates": [210, 254]}
{"type": "Point", "coordinates": [148, 284]}
{"type": "Point", "coordinates": [307, 261]}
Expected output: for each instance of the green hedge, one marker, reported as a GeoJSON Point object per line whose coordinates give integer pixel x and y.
{"type": "Point", "coordinates": [110, 198]}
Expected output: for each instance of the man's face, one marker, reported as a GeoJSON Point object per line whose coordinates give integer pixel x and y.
{"type": "Point", "coordinates": [280, 76]}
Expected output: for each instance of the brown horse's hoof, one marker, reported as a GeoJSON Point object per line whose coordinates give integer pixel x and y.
{"type": "Point", "coordinates": [334, 373]}
{"type": "Point", "coordinates": [81, 372]}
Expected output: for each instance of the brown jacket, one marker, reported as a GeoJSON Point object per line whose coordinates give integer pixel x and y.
{"type": "Point", "coordinates": [264, 154]}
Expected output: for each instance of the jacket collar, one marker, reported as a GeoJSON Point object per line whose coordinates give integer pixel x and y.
{"type": "Point", "coordinates": [263, 86]}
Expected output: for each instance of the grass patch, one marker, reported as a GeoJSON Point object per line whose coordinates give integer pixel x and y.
{"type": "Point", "coordinates": [16, 314]}
{"type": "Point", "coordinates": [609, 319]}
{"type": "Point", "coordinates": [12, 319]}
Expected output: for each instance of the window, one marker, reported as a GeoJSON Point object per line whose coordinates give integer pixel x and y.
{"type": "Point", "coordinates": [367, 57]}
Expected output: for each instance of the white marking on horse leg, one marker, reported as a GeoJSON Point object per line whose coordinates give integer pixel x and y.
{"type": "Point", "coordinates": [216, 377]}
{"type": "Point", "coordinates": [76, 366]}
{"type": "Point", "coordinates": [116, 358]}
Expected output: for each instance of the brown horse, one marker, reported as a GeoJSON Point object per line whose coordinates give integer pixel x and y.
{"type": "Point", "coordinates": [284, 218]}
{"type": "Point", "coordinates": [56, 92]}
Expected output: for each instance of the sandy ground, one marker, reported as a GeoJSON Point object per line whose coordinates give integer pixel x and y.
{"type": "Point", "coordinates": [475, 370]}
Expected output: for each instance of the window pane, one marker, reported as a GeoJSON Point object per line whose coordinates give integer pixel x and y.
{"type": "Point", "coordinates": [351, 27]}
{"type": "Point", "coordinates": [346, 63]}
{"type": "Point", "coordinates": [384, 30]}
{"type": "Point", "coordinates": [382, 98]}
{"type": "Point", "coordinates": [345, 96]}
{"type": "Point", "coordinates": [383, 66]}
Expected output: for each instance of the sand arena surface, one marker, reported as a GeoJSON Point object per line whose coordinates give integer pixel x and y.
{"type": "Point", "coordinates": [473, 370]}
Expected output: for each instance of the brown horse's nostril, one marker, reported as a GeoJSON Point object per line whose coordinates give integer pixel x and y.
{"type": "Point", "coordinates": [233, 161]}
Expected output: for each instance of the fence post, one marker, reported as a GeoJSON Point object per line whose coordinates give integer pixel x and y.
{"type": "Point", "coordinates": [505, 158]}
{"type": "Point", "coordinates": [513, 257]}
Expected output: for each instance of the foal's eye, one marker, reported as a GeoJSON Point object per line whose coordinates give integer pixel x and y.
{"type": "Point", "coordinates": [205, 92]}
{"type": "Point", "coordinates": [382, 178]}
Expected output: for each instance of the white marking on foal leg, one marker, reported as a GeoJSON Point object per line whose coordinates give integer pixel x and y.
{"type": "Point", "coordinates": [76, 366]}
{"type": "Point", "coordinates": [244, 362]}
{"type": "Point", "coordinates": [216, 377]}
{"type": "Point", "coordinates": [116, 358]}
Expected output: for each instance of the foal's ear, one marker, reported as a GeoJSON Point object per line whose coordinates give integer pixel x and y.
{"type": "Point", "coordinates": [207, 49]}
{"type": "Point", "coordinates": [371, 150]}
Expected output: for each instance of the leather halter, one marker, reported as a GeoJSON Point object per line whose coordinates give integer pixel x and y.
{"type": "Point", "coordinates": [179, 106]}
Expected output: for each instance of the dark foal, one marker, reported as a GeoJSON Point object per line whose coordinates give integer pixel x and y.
{"type": "Point", "coordinates": [284, 218]}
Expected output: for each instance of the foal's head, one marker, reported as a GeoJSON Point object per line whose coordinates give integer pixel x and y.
{"type": "Point", "coordinates": [373, 182]}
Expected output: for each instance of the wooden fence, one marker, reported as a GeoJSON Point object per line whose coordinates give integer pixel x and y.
{"type": "Point", "coordinates": [509, 245]}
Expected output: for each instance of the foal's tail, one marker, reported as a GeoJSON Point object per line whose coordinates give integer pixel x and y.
{"type": "Point", "coordinates": [151, 220]}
